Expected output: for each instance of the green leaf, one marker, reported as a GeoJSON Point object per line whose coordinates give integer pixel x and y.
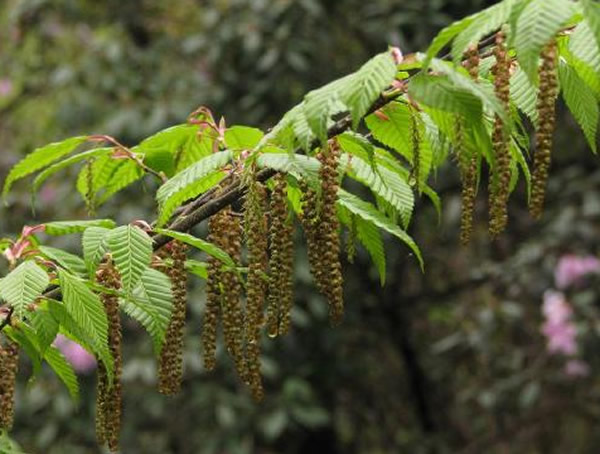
{"type": "Point", "coordinates": [583, 45]}
{"type": "Point", "coordinates": [438, 92]}
{"type": "Point", "coordinates": [242, 137]}
{"type": "Point", "coordinates": [131, 250]}
{"type": "Point", "coordinates": [386, 184]}
{"type": "Point", "coordinates": [367, 84]}
{"type": "Point", "coordinates": [27, 339]}
{"type": "Point", "coordinates": [370, 237]}
{"type": "Point", "coordinates": [483, 24]}
{"type": "Point", "coordinates": [67, 227]}
{"type": "Point", "coordinates": [161, 161]}
{"type": "Point", "coordinates": [170, 139]}
{"type": "Point", "coordinates": [23, 285]}
{"type": "Point", "coordinates": [191, 182]}
{"type": "Point", "coordinates": [319, 105]}
{"type": "Point", "coordinates": [538, 23]}
{"type": "Point", "coordinates": [87, 311]}
{"type": "Point", "coordinates": [445, 36]}
{"type": "Point", "coordinates": [297, 165]}
{"type": "Point", "coordinates": [581, 101]}
{"type": "Point", "coordinates": [126, 173]}
{"type": "Point", "coordinates": [63, 369]}
{"type": "Point", "coordinates": [45, 326]}
{"type": "Point", "coordinates": [40, 158]}
{"type": "Point", "coordinates": [524, 94]}
{"type": "Point", "coordinates": [69, 261]}
{"type": "Point", "coordinates": [94, 246]}
{"type": "Point", "coordinates": [151, 305]}
{"type": "Point", "coordinates": [369, 213]}
{"type": "Point", "coordinates": [200, 269]}
{"type": "Point", "coordinates": [102, 170]}
{"type": "Point", "coordinates": [591, 10]}
{"type": "Point", "coordinates": [54, 168]}
{"type": "Point", "coordinates": [199, 243]}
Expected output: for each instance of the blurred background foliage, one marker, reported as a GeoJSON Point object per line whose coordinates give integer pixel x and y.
{"type": "Point", "coordinates": [452, 360]}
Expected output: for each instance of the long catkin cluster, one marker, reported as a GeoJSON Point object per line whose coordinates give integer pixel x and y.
{"type": "Point", "coordinates": [500, 180]}
{"type": "Point", "coordinates": [548, 91]}
{"type": "Point", "coordinates": [9, 361]}
{"type": "Point", "coordinates": [170, 365]}
{"type": "Point", "coordinates": [467, 162]}
{"type": "Point", "coordinates": [321, 224]}
{"type": "Point", "coordinates": [108, 399]}
{"type": "Point", "coordinates": [281, 261]}
{"type": "Point", "coordinates": [224, 291]}
{"type": "Point", "coordinates": [256, 231]}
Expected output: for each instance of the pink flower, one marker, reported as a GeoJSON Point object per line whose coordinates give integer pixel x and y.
{"type": "Point", "coordinates": [80, 359]}
{"type": "Point", "coordinates": [577, 368]}
{"type": "Point", "coordinates": [558, 328]}
{"type": "Point", "coordinates": [6, 87]}
{"type": "Point", "coordinates": [561, 337]}
{"type": "Point", "coordinates": [556, 309]}
{"type": "Point", "coordinates": [572, 268]}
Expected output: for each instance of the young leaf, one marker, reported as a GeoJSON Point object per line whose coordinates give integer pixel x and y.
{"type": "Point", "coordinates": [199, 243]}
{"type": "Point", "coordinates": [54, 168]}
{"type": "Point", "coordinates": [87, 311]}
{"type": "Point", "coordinates": [200, 269]}
{"type": "Point", "coordinates": [369, 236]}
{"type": "Point", "coordinates": [23, 285]}
{"type": "Point", "coordinates": [94, 246]}
{"type": "Point", "coordinates": [369, 213]}
{"type": "Point", "coordinates": [581, 102]}
{"type": "Point", "coordinates": [537, 24]}
{"type": "Point", "coordinates": [69, 261]}
{"type": "Point", "coordinates": [121, 176]}
{"type": "Point", "coordinates": [131, 250]}
{"type": "Point", "coordinates": [151, 304]}
{"type": "Point", "coordinates": [367, 84]}
{"type": "Point", "coordinates": [40, 158]}
{"type": "Point", "coordinates": [67, 227]}
{"type": "Point", "coordinates": [242, 137]}
{"type": "Point", "coordinates": [189, 183]}
{"type": "Point", "coordinates": [45, 326]}
{"type": "Point", "coordinates": [63, 369]}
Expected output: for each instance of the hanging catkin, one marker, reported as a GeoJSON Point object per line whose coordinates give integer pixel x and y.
{"type": "Point", "coordinates": [9, 361]}
{"type": "Point", "coordinates": [281, 261]}
{"type": "Point", "coordinates": [224, 291]}
{"type": "Point", "coordinates": [500, 181]}
{"type": "Point", "coordinates": [321, 230]}
{"type": "Point", "coordinates": [170, 365]}
{"type": "Point", "coordinates": [255, 224]}
{"type": "Point", "coordinates": [467, 161]}
{"type": "Point", "coordinates": [547, 94]}
{"type": "Point", "coordinates": [108, 409]}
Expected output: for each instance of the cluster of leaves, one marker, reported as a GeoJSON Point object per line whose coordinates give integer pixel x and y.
{"type": "Point", "coordinates": [410, 106]}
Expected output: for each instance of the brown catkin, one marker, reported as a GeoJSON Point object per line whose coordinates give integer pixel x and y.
{"type": "Point", "coordinates": [468, 162]}
{"type": "Point", "coordinates": [224, 291]}
{"type": "Point", "coordinates": [281, 261]}
{"type": "Point", "coordinates": [256, 231]}
{"type": "Point", "coordinates": [9, 362]}
{"type": "Point", "coordinates": [170, 364]}
{"type": "Point", "coordinates": [108, 410]}
{"type": "Point", "coordinates": [321, 230]}
{"type": "Point", "coordinates": [500, 181]}
{"type": "Point", "coordinates": [547, 94]}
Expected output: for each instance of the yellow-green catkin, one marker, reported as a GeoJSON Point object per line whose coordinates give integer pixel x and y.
{"type": "Point", "coordinates": [108, 410]}
{"type": "Point", "coordinates": [212, 308]}
{"type": "Point", "coordinates": [9, 361]}
{"type": "Point", "coordinates": [256, 233]}
{"type": "Point", "coordinates": [547, 94]}
{"type": "Point", "coordinates": [321, 226]}
{"type": "Point", "coordinates": [170, 364]}
{"type": "Point", "coordinates": [281, 261]}
{"type": "Point", "coordinates": [500, 181]}
{"type": "Point", "coordinates": [467, 162]}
